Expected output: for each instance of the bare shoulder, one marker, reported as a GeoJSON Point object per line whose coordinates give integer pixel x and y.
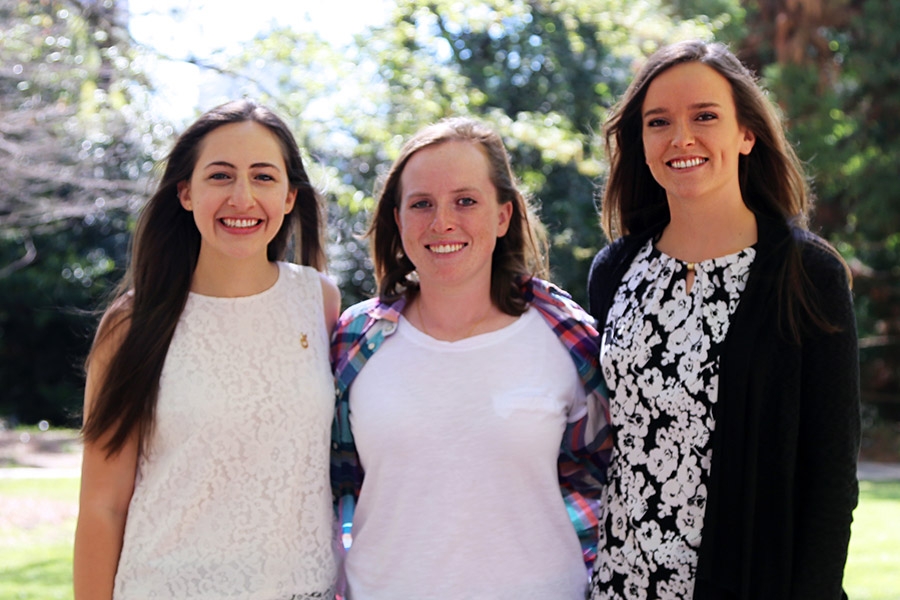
{"type": "Point", "coordinates": [331, 300]}
{"type": "Point", "coordinates": [107, 478]}
{"type": "Point", "coordinates": [113, 328]}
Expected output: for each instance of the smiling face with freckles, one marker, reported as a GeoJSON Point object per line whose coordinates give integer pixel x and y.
{"type": "Point", "coordinates": [238, 193]}
{"type": "Point", "coordinates": [691, 135]}
{"type": "Point", "coordinates": [449, 216]}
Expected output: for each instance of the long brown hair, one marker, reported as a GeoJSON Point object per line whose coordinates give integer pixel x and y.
{"type": "Point", "coordinates": [520, 253]}
{"type": "Point", "coordinates": [164, 252]}
{"type": "Point", "coordinates": [772, 178]}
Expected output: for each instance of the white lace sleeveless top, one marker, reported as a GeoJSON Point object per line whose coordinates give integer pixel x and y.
{"type": "Point", "coordinates": [233, 499]}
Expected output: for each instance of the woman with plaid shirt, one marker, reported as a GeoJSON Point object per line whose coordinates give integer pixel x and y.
{"type": "Point", "coordinates": [468, 456]}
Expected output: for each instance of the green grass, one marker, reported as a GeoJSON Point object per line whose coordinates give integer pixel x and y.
{"type": "Point", "coordinates": [36, 562]}
{"type": "Point", "coordinates": [65, 490]}
{"type": "Point", "coordinates": [39, 565]}
{"type": "Point", "coordinates": [36, 557]}
{"type": "Point", "coordinates": [873, 566]}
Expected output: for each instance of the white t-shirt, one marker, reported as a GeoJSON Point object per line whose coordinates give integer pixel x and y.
{"type": "Point", "coordinates": [233, 500]}
{"type": "Point", "coordinates": [459, 442]}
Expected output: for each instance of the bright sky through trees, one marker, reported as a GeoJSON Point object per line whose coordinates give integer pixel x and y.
{"type": "Point", "coordinates": [198, 29]}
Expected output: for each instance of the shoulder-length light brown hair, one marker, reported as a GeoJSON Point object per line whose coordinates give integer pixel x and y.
{"type": "Point", "coordinates": [164, 252]}
{"type": "Point", "coordinates": [520, 253]}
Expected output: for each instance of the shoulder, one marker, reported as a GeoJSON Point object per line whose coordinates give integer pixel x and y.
{"type": "Point", "coordinates": [111, 332]}
{"type": "Point", "coordinates": [568, 320]}
{"type": "Point", "coordinates": [114, 323]}
{"type": "Point", "coordinates": [816, 252]}
{"type": "Point", "coordinates": [609, 254]}
{"type": "Point", "coordinates": [360, 330]}
{"type": "Point", "coordinates": [301, 273]}
{"type": "Point", "coordinates": [331, 299]}
{"type": "Point", "coordinates": [329, 287]}
{"type": "Point", "coordinates": [607, 269]}
{"type": "Point", "coordinates": [819, 257]}
{"type": "Point", "coordinates": [306, 277]}
{"type": "Point", "coordinates": [618, 253]}
{"type": "Point", "coordinates": [827, 280]}
{"type": "Point", "coordinates": [360, 310]}
{"type": "Point", "coordinates": [550, 296]}
{"type": "Point", "coordinates": [309, 275]}
{"type": "Point", "coordinates": [364, 314]}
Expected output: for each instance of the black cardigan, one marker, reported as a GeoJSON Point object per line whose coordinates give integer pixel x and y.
{"type": "Point", "coordinates": [782, 485]}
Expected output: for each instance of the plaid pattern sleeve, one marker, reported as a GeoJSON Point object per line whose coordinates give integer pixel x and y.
{"type": "Point", "coordinates": [358, 335]}
{"type": "Point", "coordinates": [587, 443]}
{"type": "Point", "coordinates": [586, 447]}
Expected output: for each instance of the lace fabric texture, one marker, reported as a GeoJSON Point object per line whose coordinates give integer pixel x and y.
{"type": "Point", "coordinates": [232, 500]}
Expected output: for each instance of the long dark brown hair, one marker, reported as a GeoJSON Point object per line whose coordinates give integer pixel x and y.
{"type": "Point", "coordinates": [772, 179]}
{"type": "Point", "coordinates": [164, 252]}
{"type": "Point", "coordinates": [522, 252]}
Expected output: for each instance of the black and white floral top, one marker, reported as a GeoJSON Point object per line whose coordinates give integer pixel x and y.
{"type": "Point", "coordinates": [660, 358]}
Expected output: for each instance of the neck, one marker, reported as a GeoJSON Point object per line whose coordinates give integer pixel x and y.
{"type": "Point", "coordinates": [240, 278]}
{"type": "Point", "coordinates": [452, 317]}
{"type": "Point", "coordinates": [696, 233]}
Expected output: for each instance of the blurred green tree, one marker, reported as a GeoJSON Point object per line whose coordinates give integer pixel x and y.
{"type": "Point", "coordinates": [78, 142]}
{"type": "Point", "coordinates": [542, 73]}
{"type": "Point", "coordinates": [831, 65]}
{"type": "Point", "coordinates": [76, 149]}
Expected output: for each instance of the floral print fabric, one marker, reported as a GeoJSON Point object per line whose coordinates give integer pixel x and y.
{"type": "Point", "coordinates": [660, 357]}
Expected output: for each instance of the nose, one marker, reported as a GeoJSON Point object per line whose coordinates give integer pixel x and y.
{"type": "Point", "coordinates": [683, 135]}
{"type": "Point", "coordinates": [241, 194]}
{"type": "Point", "coordinates": [443, 218]}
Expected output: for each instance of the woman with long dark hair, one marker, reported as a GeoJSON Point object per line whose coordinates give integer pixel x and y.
{"type": "Point", "coordinates": [209, 397]}
{"type": "Point", "coordinates": [729, 347]}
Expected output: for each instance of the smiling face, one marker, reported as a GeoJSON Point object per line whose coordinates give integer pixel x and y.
{"type": "Point", "coordinates": [692, 139]}
{"type": "Point", "coordinates": [238, 193]}
{"type": "Point", "coordinates": [449, 216]}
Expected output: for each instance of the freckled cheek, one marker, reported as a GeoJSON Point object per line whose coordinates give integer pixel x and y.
{"type": "Point", "coordinates": [412, 225]}
{"type": "Point", "coordinates": [409, 233]}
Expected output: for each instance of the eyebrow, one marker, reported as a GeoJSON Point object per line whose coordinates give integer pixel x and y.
{"type": "Point", "coordinates": [463, 190]}
{"type": "Point", "coordinates": [225, 163]}
{"type": "Point", "coordinates": [697, 106]}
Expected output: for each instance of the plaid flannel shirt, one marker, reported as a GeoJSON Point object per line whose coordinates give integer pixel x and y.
{"type": "Point", "coordinates": [586, 445]}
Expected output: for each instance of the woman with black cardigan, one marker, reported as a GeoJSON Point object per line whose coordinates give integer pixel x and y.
{"type": "Point", "coordinates": [729, 347]}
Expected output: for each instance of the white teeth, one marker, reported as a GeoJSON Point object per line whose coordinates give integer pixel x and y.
{"type": "Point", "coordinates": [446, 248]}
{"type": "Point", "coordinates": [685, 164]}
{"type": "Point", "coordinates": [240, 223]}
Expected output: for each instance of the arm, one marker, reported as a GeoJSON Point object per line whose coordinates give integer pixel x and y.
{"type": "Point", "coordinates": [584, 458]}
{"type": "Point", "coordinates": [331, 301]}
{"type": "Point", "coordinates": [828, 441]}
{"type": "Point", "coordinates": [586, 445]}
{"type": "Point", "coordinates": [107, 483]}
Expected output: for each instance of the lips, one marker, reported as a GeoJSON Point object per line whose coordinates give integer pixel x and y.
{"type": "Point", "coordinates": [446, 248]}
{"type": "Point", "coordinates": [240, 223]}
{"type": "Point", "coordinates": [687, 163]}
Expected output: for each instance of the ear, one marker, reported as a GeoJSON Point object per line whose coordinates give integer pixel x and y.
{"type": "Point", "coordinates": [290, 200]}
{"type": "Point", "coordinates": [184, 195]}
{"type": "Point", "coordinates": [506, 211]}
{"type": "Point", "coordinates": [748, 142]}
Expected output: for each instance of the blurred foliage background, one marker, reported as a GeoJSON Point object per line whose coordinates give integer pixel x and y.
{"type": "Point", "coordinates": [80, 141]}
